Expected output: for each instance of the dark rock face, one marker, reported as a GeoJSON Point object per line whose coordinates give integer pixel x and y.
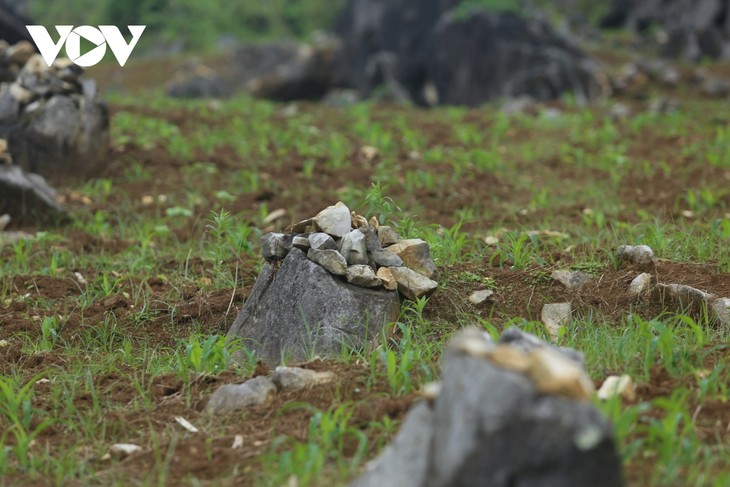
{"type": "Point", "coordinates": [27, 198]}
{"type": "Point", "coordinates": [469, 58]}
{"type": "Point", "coordinates": [12, 24]}
{"type": "Point", "coordinates": [281, 71]}
{"type": "Point", "coordinates": [487, 56]}
{"type": "Point", "coordinates": [404, 28]}
{"type": "Point", "coordinates": [300, 309]}
{"type": "Point", "coordinates": [694, 28]}
{"type": "Point", "coordinates": [491, 426]}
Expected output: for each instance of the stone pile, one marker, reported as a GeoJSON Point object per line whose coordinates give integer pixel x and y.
{"type": "Point", "coordinates": [505, 413]}
{"type": "Point", "coordinates": [362, 252]}
{"type": "Point", "coordinates": [329, 282]}
{"type": "Point", "coordinates": [49, 115]}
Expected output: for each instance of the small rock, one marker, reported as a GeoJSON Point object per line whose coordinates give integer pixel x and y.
{"type": "Point", "coordinates": [334, 220]}
{"type": "Point", "coordinates": [363, 276]}
{"type": "Point", "coordinates": [479, 297]}
{"type": "Point", "coordinates": [416, 255]}
{"type": "Point", "coordinates": [374, 223]}
{"type": "Point", "coordinates": [4, 221]}
{"type": "Point", "coordinates": [617, 385]}
{"type": "Point", "coordinates": [573, 280]}
{"type": "Point", "coordinates": [639, 256]}
{"type": "Point", "coordinates": [684, 296]}
{"type": "Point", "coordinates": [331, 260]}
{"type": "Point", "coordinates": [275, 215]}
{"type": "Point", "coordinates": [122, 450]}
{"type": "Point", "coordinates": [372, 244]}
{"type": "Point", "coordinates": [556, 315]}
{"type": "Point", "coordinates": [491, 240]}
{"type": "Point", "coordinates": [358, 221]}
{"type": "Point", "coordinates": [20, 52]}
{"type": "Point", "coordinates": [387, 235]}
{"type": "Point", "coordinates": [301, 242]}
{"type": "Point", "coordinates": [640, 284]}
{"type": "Point", "coordinates": [386, 258]}
{"type": "Point", "coordinates": [273, 246]}
{"type": "Point", "coordinates": [387, 278]}
{"type": "Point", "coordinates": [233, 397]}
{"type": "Point", "coordinates": [20, 93]}
{"type": "Point", "coordinates": [553, 373]}
{"type": "Point", "coordinates": [367, 154]}
{"type": "Point", "coordinates": [619, 111]}
{"type": "Point", "coordinates": [322, 241]}
{"type": "Point", "coordinates": [294, 378]}
{"type": "Point", "coordinates": [353, 248]}
{"type": "Point", "coordinates": [721, 311]}
{"type": "Point", "coordinates": [715, 87]}
{"type": "Point", "coordinates": [300, 227]}
{"type": "Point", "coordinates": [411, 284]}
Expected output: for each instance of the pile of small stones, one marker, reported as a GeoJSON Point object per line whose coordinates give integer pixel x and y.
{"type": "Point", "coordinates": [364, 252]}
{"type": "Point", "coordinates": [50, 115]}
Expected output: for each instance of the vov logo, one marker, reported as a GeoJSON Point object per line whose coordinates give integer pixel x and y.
{"type": "Point", "coordinates": [71, 37]}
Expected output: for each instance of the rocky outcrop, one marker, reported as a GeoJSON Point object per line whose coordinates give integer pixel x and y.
{"type": "Point", "coordinates": [440, 54]}
{"type": "Point", "coordinates": [690, 29]}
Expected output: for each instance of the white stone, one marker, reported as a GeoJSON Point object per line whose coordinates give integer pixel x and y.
{"type": "Point", "coordinates": [617, 385]}
{"type": "Point", "coordinates": [294, 378]}
{"type": "Point", "coordinates": [639, 256]}
{"type": "Point", "coordinates": [411, 284]}
{"type": "Point", "coordinates": [124, 449]}
{"type": "Point", "coordinates": [555, 316]}
{"type": "Point", "coordinates": [353, 249]}
{"type": "Point", "coordinates": [479, 297]}
{"type": "Point", "coordinates": [640, 284]}
{"type": "Point", "coordinates": [334, 220]}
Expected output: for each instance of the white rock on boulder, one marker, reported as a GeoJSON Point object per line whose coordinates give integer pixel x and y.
{"type": "Point", "coordinates": [416, 255]}
{"type": "Point", "coordinates": [334, 220]}
{"type": "Point", "coordinates": [411, 284]}
{"type": "Point", "coordinates": [353, 249]}
{"type": "Point", "coordinates": [363, 276]}
{"type": "Point", "coordinates": [331, 260]}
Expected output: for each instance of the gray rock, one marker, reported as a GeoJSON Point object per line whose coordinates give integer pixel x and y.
{"type": "Point", "coordinates": [556, 315]}
{"type": "Point", "coordinates": [234, 397]}
{"type": "Point", "coordinates": [405, 461]}
{"type": "Point", "coordinates": [411, 284]}
{"type": "Point", "coordinates": [362, 275]}
{"type": "Point", "coordinates": [721, 311]}
{"type": "Point", "coordinates": [330, 260]}
{"type": "Point", "coordinates": [294, 378]}
{"type": "Point", "coordinates": [321, 241]}
{"type": "Point", "coordinates": [416, 255]}
{"type": "Point", "coordinates": [274, 246]}
{"type": "Point", "coordinates": [687, 297]}
{"type": "Point", "coordinates": [27, 197]}
{"type": "Point", "coordinates": [640, 284]}
{"type": "Point", "coordinates": [353, 248]}
{"type": "Point", "coordinates": [387, 235]}
{"type": "Point", "coordinates": [619, 111]}
{"type": "Point", "coordinates": [386, 258]}
{"type": "Point", "coordinates": [491, 426]}
{"type": "Point", "coordinates": [715, 88]}
{"type": "Point", "coordinates": [573, 280]}
{"type": "Point", "coordinates": [641, 257]}
{"type": "Point", "coordinates": [301, 242]}
{"type": "Point", "coordinates": [301, 309]}
{"type": "Point", "coordinates": [372, 243]}
{"type": "Point", "coordinates": [334, 220]}
{"type": "Point", "coordinates": [480, 297]}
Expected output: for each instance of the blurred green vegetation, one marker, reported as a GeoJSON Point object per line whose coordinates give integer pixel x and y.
{"type": "Point", "coordinates": [193, 24]}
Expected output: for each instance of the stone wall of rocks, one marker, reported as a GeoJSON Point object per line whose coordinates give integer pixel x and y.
{"type": "Point", "coordinates": [50, 117]}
